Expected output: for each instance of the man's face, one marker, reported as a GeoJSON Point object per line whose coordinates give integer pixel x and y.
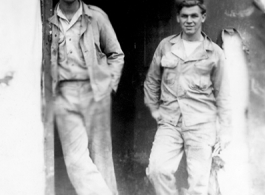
{"type": "Point", "coordinates": [190, 20]}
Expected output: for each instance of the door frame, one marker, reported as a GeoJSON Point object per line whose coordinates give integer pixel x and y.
{"type": "Point", "coordinates": [47, 98]}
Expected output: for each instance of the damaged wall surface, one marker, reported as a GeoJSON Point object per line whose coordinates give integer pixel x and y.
{"type": "Point", "coordinates": [22, 137]}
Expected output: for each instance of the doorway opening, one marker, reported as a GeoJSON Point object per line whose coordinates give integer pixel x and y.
{"type": "Point", "coordinates": [139, 26]}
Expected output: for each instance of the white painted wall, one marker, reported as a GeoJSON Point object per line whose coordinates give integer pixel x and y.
{"type": "Point", "coordinates": [21, 129]}
{"type": "Point", "coordinates": [234, 178]}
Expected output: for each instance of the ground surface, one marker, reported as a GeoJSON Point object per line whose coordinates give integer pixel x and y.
{"type": "Point", "coordinates": [129, 182]}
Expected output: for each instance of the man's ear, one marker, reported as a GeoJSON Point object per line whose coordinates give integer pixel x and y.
{"type": "Point", "coordinates": [203, 17]}
{"type": "Point", "coordinates": [177, 18]}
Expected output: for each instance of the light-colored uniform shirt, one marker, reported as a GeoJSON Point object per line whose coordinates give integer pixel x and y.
{"type": "Point", "coordinates": [99, 44]}
{"type": "Point", "coordinates": [71, 62]}
{"type": "Point", "coordinates": [190, 46]}
{"type": "Point", "coordinates": [195, 87]}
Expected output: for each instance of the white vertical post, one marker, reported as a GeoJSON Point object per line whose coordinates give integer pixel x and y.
{"type": "Point", "coordinates": [234, 178]}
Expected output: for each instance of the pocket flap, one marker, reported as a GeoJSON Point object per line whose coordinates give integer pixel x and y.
{"type": "Point", "coordinates": [204, 67]}
{"type": "Point", "coordinates": [169, 62]}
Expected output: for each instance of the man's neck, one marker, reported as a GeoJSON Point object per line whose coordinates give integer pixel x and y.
{"type": "Point", "coordinates": [69, 8]}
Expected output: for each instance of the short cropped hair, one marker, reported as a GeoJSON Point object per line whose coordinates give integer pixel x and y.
{"type": "Point", "coordinates": [191, 3]}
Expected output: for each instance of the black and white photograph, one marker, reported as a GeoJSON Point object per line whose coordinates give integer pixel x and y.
{"type": "Point", "coordinates": [145, 97]}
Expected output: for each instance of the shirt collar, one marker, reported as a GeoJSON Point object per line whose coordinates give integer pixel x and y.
{"type": "Point", "coordinates": [179, 50]}
{"type": "Point", "coordinates": [207, 42]}
{"type": "Point", "coordinates": [85, 11]}
{"type": "Point", "coordinates": [78, 13]}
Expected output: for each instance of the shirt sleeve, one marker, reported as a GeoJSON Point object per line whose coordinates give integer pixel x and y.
{"type": "Point", "coordinates": [112, 49]}
{"type": "Point", "coordinates": [221, 85]}
{"type": "Point", "coordinates": [152, 84]}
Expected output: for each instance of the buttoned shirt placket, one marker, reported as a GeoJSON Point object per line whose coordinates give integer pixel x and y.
{"type": "Point", "coordinates": [77, 69]}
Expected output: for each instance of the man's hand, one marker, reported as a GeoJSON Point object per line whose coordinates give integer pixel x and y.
{"type": "Point", "coordinates": [223, 141]}
{"type": "Point", "coordinates": [156, 115]}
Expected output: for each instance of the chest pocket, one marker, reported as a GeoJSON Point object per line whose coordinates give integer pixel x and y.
{"type": "Point", "coordinates": [170, 66]}
{"type": "Point", "coordinates": [203, 67]}
{"type": "Point", "coordinates": [203, 70]}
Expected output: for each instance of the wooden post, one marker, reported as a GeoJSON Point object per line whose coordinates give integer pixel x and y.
{"type": "Point", "coordinates": [47, 11]}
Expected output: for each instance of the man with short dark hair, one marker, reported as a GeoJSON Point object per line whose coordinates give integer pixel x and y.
{"type": "Point", "coordinates": [187, 92]}
{"type": "Point", "coordinates": [86, 63]}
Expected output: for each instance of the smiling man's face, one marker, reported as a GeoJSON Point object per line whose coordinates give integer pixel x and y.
{"type": "Point", "coordinates": [190, 20]}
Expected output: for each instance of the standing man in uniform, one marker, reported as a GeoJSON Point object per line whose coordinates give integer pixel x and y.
{"type": "Point", "coordinates": [86, 61]}
{"type": "Point", "coordinates": [187, 91]}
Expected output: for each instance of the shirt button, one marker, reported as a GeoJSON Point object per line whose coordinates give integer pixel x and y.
{"type": "Point", "coordinates": [70, 39]}
{"type": "Point", "coordinates": [70, 52]}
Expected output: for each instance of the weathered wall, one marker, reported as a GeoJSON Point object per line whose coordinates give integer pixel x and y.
{"type": "Point", "coordinates": [22, 135]}
{"type": "Point", "coordinates": [46, 83]}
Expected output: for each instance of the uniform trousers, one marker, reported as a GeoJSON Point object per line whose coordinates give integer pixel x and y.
{"type": "Point", "coordinates": [168, 147]}
{"type": "Point", "coordinates": [84, 130]}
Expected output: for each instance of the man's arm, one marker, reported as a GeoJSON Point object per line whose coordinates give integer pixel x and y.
{"type": "Point", "coordinates": [221, 86]}
{"type": "Point", "coordinates": [152, 84]}
{"type": "Point", "coordinates": [112, 49]}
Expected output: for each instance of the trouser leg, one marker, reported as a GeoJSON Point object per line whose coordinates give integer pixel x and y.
{"type": "Point", "coordinates": [198, 149]}
{"type": "Point", "coordinates": [83, 173]}
{"type": "Point", "coordinates": [164, 160]}
{"type": "Point", "coordinates": [98, 125]}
